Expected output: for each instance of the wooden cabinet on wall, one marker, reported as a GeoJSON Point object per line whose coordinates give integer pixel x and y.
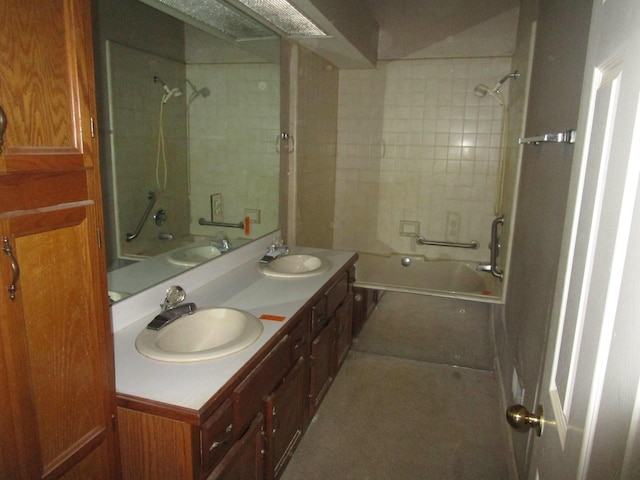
{"type": "Point", "coordinates": [57, 387]}
{"type": "Point", "coordinates": [271, 400]}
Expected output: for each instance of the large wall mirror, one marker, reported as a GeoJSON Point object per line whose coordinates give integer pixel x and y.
{"type": "Point", "coordinates": [189, 127]}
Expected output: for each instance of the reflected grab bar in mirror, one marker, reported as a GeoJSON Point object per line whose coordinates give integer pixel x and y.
{"type": "Point", "coordinates": [152, 200]}
{"type": "Point", "coordinates": [423, 241]}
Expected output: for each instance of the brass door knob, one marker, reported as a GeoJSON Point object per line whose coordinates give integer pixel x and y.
{"type": "Point", "coordinates": [522, 420]}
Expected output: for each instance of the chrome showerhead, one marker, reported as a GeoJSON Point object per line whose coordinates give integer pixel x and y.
{"type": "Point", "coordinates": [481, 90]}
{"type": "Point", "coordinates": [514, 75]}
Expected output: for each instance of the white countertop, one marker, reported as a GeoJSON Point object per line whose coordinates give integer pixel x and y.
{"type": "Point", "coordinates": [191, 385]}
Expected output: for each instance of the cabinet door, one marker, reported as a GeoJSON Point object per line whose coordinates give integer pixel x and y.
{"type": "Point", "coordinates": [245, 459]}
{"type": "Point", "coordinates": [344, 331]}
{"type": "Point", "coordinates": [46, 85]}
{"type": "Point", "coordinates": [56, 344]}
{"type": "Point", "coordinates": [321, 363]}
{"type": "Point", "coordinates": [283, 420]}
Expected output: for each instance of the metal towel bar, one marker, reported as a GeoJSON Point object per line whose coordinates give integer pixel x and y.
{"type": "Point", "coordinates": [561, 137]}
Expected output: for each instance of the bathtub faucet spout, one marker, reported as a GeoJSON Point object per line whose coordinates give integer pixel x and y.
{"type": "Point", "coordinates": [484, 267]}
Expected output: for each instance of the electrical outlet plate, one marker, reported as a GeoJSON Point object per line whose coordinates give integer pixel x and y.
{"type": "Point", "coordinates": [217, 207]}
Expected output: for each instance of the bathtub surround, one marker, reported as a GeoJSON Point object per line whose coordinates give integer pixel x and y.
{"type": "Point", "coordinates": [417, 145]}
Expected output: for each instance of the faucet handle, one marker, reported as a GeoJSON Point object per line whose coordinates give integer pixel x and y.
{"type": "Point", "coordinates": [175, 294]}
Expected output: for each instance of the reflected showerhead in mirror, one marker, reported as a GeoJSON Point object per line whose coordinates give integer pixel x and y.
{"type": "Point", "coordinates": [203, 92]}
{"type": "Point", "coordinates": [168, 92]}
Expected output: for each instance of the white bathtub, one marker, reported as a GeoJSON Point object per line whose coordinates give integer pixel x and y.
{"type": "Point", "coordinates": [415, 274]}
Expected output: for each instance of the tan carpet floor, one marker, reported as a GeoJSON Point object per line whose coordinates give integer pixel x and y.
{"type": "Point", "coordinates": [415, 399]}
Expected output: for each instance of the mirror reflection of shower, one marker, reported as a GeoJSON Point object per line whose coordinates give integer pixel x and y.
{"type": "Point", "coordinates": [161, 157]}
{"type": "Point", "coordinates": [482, 90]}
{"type": "Point", "coordinates": [203, 92]}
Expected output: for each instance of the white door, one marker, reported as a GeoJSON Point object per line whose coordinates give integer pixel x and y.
{"type": "Point", "coordinates": [590, 385]}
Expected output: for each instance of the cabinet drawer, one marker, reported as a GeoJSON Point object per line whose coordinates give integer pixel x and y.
{"type": "Point", "coordinates": [300, 339]}
{"type": "Point", "coordinates": [216, 435]}
{"type": "Point", "coordinates": [319, 317]}
{"type": "Point", "coordinates": [248, 397]}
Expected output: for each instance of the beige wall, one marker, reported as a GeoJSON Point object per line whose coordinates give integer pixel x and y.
{"type": "Point", "coordinates": [315, 150]}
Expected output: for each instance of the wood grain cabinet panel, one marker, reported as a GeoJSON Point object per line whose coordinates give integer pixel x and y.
{"type": "Point", "coordinates": [245, 460]}
{"type": "Point", "coordinates": [57, 389]}
{"type": "Point", "coordinates": [284, 420]}
{"type": "Point", "coordinates": [46, 91]}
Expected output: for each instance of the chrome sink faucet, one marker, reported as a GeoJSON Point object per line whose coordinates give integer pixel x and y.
{"type": "Point", "coordinates": [276, 249]}
{"type": "Point", "coordinates": [171, 309]}
{"type": "Point", "coordinates": [221, 242]}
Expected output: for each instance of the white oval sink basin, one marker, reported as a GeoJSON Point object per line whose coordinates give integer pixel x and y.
{"type": "Point", "coordinates": [295, 266]}
{"type": "Point", "coordinates": [204, 335]}
{"type": "Point", "coordinates": [192, 256]}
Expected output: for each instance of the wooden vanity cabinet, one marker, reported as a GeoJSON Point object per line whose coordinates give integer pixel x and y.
{"type": "Point", "coordinates": [284, 409]}
{"type": "Point", "coordinates": [261, 418]}
{"type": "Point", "coordinates": [331, 332]}
{"type": "Point", "coordinates": [365, 301]}
{"type": "Point", "coordinates": [216, 435]}
{"type": "Point", "coordinates": [245, 459]}
{"type": "Point", "coordinates": [343, 332]}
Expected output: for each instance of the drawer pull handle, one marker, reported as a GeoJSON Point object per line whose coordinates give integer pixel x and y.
{"type": "Point", "coordinates": [14, 266]}
{"type": "Point", "coordinates": [300, 342]}
{"type": "Point", "coordinates": [217, 443]}
{"type": "Point", "coordinates": [3, 127]}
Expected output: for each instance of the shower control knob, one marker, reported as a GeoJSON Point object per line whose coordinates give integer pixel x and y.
{"type": "Point", "coordinates": [160, 217]}
{"type": "Point", "coordinates": [522, 420]}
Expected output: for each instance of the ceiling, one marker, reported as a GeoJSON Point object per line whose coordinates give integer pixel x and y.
{"type": "Point", "coordinates": [363, 32]}
{"type": "Point", "coordinates": [407, 26]}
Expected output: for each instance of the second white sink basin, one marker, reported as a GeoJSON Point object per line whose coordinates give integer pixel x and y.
{"type": "Point", "coordinates": [192, 256]}
{"type": "Point", "coordinates": [295, 266]}
{"type": "Point", "coordinates": [204, 335]}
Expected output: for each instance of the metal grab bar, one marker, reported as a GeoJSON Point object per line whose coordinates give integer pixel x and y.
{"type": "Point", "coordinates": [495, 247]}
{"type": "Point", "coordinates": [562, 137]}
{"type": "Point", "coordinates": [152, 200]}
{"type": "Point", "coordinates": [423, 241]}
{"type": "Point", "coordinates": [203, 221]}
